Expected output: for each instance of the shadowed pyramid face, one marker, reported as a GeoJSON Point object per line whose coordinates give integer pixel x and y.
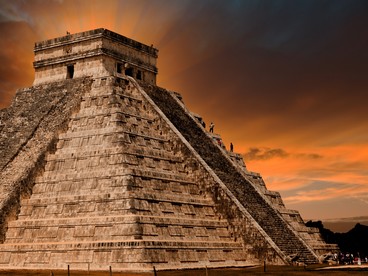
{"type": "Point", "coordinates": [96, 53]}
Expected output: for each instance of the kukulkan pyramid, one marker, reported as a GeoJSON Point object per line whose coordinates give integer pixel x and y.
{"type": "Point", "coordinates": [100, 167]}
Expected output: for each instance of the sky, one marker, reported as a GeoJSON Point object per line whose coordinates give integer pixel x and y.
{"type": "Point", "coordinates": [285, 81]}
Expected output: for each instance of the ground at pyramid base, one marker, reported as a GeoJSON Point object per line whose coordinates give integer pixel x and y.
{"type": "Point", "coordinates": [101, 167]}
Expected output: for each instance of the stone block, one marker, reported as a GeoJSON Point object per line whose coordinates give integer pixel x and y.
{"type": "Point", "coordinates": [26, 211]}
{"type": "Point", "coordinates": [101, 257]}
{"type": "Point", "coordinates": [79, 256]}
{"type": "Point", "coordinates": [37, 258]}
{"type": "Point", "coordinates": [84, 231]}
{"type": "Point", "coordinates": [66, 233]}
{"type": "Point", "coordinates": [18, 259]}
{"type": "Point", "coordinates": [48, 232]}
{"type": "Point", "coordinates": [5, 258]}
{"type": "Point", "coordinates": [14, 233]}
{"type": "Point", "coordinates": [86, 207]}
{"type": "Point", "coordinates": [188, 256]}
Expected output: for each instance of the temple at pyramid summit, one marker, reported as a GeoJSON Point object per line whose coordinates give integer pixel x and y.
{"type": "Point", "coordinates": [100, 167]}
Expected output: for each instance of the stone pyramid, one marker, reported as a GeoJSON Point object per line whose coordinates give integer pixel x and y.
{"type": "Point", "coordinates": [100, 167]}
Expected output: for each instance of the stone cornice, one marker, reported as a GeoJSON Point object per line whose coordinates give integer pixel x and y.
{"type": "Point", "coordinates": [89, 35]}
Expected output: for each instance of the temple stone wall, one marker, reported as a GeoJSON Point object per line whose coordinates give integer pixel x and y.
{"type": "Point", "coordinates": [134, 55]}
{"type": "Point", "coordinates": [94, 53]}
{"type": "Point", "coordinates": [93, 66]}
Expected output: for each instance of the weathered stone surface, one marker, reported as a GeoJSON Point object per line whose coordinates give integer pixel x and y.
{"type": "Point", "coordinates": [101, 170]}
{"type": "Point", "coordinates": [29, 130]}
{"type": "Point", "coordinates": [93, 53]}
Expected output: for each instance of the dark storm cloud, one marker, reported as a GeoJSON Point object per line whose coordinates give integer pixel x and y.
{"type": "Point", "coordinates": [304, 61]}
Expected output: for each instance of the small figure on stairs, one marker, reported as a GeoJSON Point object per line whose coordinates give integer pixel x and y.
{"type": "Point", "coordinates": [212, 125]}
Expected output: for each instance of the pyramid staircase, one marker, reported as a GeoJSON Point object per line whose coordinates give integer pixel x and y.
{"type": "Point", "coordinates": [269, 219]}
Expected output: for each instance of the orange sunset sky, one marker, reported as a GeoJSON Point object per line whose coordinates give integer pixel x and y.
{"type": "Point", "coordinates": [285, 81]}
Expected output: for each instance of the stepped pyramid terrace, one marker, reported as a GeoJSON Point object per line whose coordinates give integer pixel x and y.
{"type": "Point", "coordinates": [100, 167]}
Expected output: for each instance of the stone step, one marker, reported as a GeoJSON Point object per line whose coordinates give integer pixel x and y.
{"type": "Point", "coordinates": [48, 229]}
{"type": "Point", "coordinates": [122, 94]}
{"type": "Point", "coordinates": [111, 244]}
{"type": "Point", "coordinates": [117, 207]}
{"type": "Point", "coordinates": [123, 255]}
{"type": "Point", "coordinates": [158, 162]}
{"type": "Point", "coordinates": [92, 112]}
{"type": "Point", "coordinates": [111, 131]}
{"type": "Point", "coordinates": [155, 197]}
{"type": "Point", "coordinates": [101, 220]}
{"type": "Point", "coordinates": [131, 150]}
{"type": "Point", "coordinates": [116, 232]}
{"type": "Point", "coordinates": [117, 184]}
{"type": "Point", "coordinates": [73, 175]}
{"type": "Point", "coordinates": [93, 121]}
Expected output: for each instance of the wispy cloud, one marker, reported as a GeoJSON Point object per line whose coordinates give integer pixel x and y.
{"type": "Point", "coordinates": [321, 190]}
{"type": "Point", "coordinates": [266, 153]}
{"type": "Point", "coordinates": [363, 198]}
{"type": "Point", "coordinates": [308, 180]}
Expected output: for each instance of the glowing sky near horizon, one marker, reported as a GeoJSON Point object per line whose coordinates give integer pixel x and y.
{"type": "Point", "coordinates": [285, 81]}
